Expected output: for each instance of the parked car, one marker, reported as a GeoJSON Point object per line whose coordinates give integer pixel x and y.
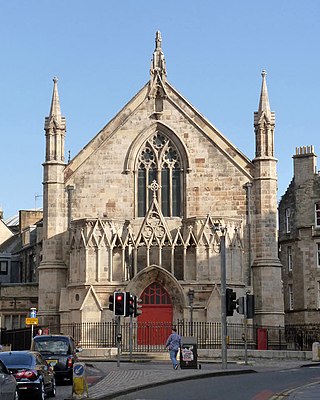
{"type": "Point", "coordinates": [59, 351]}
{"type": "Point", "coordinates": [8, 384]}
{"type": "Point", "coordinates": [35, 378]}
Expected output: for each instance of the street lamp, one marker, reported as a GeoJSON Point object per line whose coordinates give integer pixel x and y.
{"type": "Point", "coordinates": [191, 297]}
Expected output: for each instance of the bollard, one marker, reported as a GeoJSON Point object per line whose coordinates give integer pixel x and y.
{"type": "Point", "coordinates": [79, 386]}
{"type": "Point", "coordinates": [316, 351]}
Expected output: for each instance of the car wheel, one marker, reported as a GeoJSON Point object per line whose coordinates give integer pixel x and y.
{"type": "Point", "coordinates": [52, 392]}
{"type": "Point", "coordinates": [41, 393]}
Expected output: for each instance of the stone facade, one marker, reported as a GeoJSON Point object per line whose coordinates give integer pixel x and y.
{"type": "Point", "coordinates": [15, 303]}
{"type": "Point", "coordinates": [299, 240]}
{"type": "Point", "coordinates": [20, 256]}
{"type": "Point", "coordinates": [145, 202]}
{"type": "Point", "coordinates": [5, 232]}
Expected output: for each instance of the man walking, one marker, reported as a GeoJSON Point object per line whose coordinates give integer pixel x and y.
{"type": "Point", "coordinates": [174, 344]}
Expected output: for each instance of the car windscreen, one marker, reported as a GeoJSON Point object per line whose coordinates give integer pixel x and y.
{"type": "Point", "coordinates": [51, 346]}
{"type": "Point", "coordinates": [17, 360]}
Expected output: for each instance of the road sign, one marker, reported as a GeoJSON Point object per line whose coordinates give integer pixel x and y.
{"type": "Point", "coordinates": [32, 321]}
{"type": "Point", "coordinates": [78, 369]}
{"type": "Point", "coordinates": [33, 312]}
{"type": "Point", "coordinates": [80, 386]}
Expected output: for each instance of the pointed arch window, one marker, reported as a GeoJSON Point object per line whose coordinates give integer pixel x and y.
{"type": "Point", "coordinates": [160, 160]}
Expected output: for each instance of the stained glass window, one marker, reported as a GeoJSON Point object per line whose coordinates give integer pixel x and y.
{"type": "Point", "coordinates": [159, 161]}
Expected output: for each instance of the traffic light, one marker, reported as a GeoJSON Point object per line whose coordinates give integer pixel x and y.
{"type": "Point", "coordinates": [240, 305]}
{"type": "Point", "coordinates": [137, 306]}
{"type": "Point", "coordinates": [111, 301]}
{"type": "Point", "coordinates": [230, 302]}
{"type": "Point", "coordinates": [129, 304]}
{"type": "Point", "coordinates": [119, 303]}
{"type": "Point", "coordinates": [250, 305]}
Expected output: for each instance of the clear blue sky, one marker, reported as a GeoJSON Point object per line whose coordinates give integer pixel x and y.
{"type": "Point", "coordinates": [101, 51]}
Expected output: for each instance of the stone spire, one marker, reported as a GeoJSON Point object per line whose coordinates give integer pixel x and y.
{"type": "Point", "coordinates": [266, 266]}
{"type": "Point", "coordinates": [158, 63]}
{"type": "Point", "coordinates": [55, 110]}
{"type": "Point", "coordinates": [55, 126]}
{"type": "Point", "coordinates": [52, 269]}
{"type": "Point", "coordinates": [264, 123]}
{"type": "Point", "coordinates": [264, 105]}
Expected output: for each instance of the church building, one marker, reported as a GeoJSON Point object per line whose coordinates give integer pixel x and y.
{"type": "Point", "coordinates": [142, 208]}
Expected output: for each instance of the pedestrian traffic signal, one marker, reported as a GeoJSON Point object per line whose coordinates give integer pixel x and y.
{"type": "Point", "coordinates": [137, 306]}
{"type": "Point", "coordinates": [230, 302]}
{"type": "Point", "coordinates": [240, 305]}
{"type": "Point", "coordinates": [250, 305]}
{"type": "Point", "coordinates": [125, 304]}
{"type": "Point", "coordinates": [129, 304]}
{"type": "Point", "coordinates": [119, 303]}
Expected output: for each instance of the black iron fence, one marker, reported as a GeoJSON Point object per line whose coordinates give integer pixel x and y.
{"type": "Point", "coordinates": [16, 339]}
{"type": "Point", "coordinates": [301, 337]}
{"type": "Point", "coordinates": [151, 337]}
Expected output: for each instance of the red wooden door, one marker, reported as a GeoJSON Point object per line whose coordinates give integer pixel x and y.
{"type": "Point", "coordinates": [155, 322]}
{"type": "Point", "coordinates": [262, 339]}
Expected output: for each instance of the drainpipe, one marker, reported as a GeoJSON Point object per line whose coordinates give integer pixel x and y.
{"type": "Point", "coordinates": [70, 190]}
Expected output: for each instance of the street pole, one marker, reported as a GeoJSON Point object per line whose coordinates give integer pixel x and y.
{"type": "Point", "coordinates": [223, 300]}
{"type": "Point", "coordinates": [130, 337]}
{"type": "Point", "coordinates": [31, 332]}
{"type": "Point", "coordinates": [118, 338]}
{"type": "Point", "coordinates": [245, 339]}
{"type": "Point", "coordinates": [191, 297]}
{"type": "Point", "coordinates": [33, 314]}
{"type": "Point", "coordinates": [191, 320]}
{"type": "Point", "coordinates": [246, 329]}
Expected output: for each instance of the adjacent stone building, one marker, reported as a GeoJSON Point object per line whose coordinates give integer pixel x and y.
{"type": "Point", "coordinates": [299, 240]}
{"type": "Point", "coordinates": [20, 255]}
{"type": "Point", "coordinates": [142, 208]}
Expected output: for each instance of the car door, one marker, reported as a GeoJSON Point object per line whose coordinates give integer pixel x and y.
{"type": "Point", "coordinates": [7, 383]}
{"type": "Point", "coordinates": [44, 368]}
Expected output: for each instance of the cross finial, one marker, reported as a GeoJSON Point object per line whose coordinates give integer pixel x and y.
{"type": "Point", "coordinates": [154, 187]}
{"type": "Point", "coordinates": [158, 40]}
{"type": "Point", "coordinates": [158, 64]}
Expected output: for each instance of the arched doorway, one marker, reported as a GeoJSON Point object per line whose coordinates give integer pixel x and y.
{"type": "Point", "coordinates": [155, 322]}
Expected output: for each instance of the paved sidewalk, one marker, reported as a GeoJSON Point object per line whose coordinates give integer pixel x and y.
{"type": "Point", "coordinates": [129, 378]}
{"type": "Point", "coordinates": [309, 392]}
{"type": "Point", "coordinates": [134, 376]}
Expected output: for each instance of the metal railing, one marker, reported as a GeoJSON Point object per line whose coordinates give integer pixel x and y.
{"type": "Point", "coordinates": [151, 337]}
{"type": "Point", "coordinates": [301, 337]}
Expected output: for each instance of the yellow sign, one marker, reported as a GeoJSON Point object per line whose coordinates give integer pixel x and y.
{"type": "Point", "coordinates": [80, 385]}
{"type": "Point", "coordinates": [32, 321]}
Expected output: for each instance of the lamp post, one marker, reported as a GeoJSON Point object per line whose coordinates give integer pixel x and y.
{"type": "Point", "coordinates": [191, 297]}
